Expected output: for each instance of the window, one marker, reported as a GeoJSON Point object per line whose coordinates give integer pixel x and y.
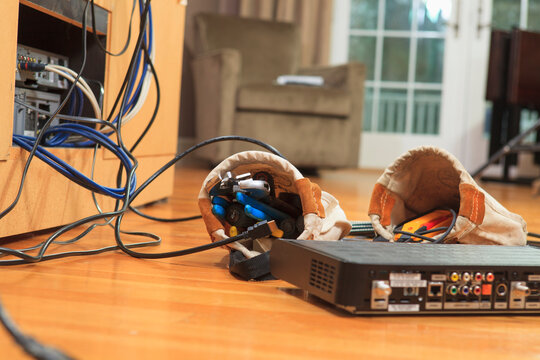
{"type": "Point", "coordinates": [401, 42]}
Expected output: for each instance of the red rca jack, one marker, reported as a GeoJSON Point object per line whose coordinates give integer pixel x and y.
{"type": "Point", "coordinates": [477, 290]}
{"type": "Point", "coordinates": [490, 277]}
{"type": "Point", "coordinates": [478, 276]}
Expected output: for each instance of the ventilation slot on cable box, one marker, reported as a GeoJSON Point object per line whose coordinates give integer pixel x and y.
{"type": "Point", "coordinates": [322, 276]}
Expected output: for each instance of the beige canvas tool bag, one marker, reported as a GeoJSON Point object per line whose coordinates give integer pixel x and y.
{"type": "Point", "coordinates": [427, 178]}
{"type": "Point", "coordinates": [323, 219]}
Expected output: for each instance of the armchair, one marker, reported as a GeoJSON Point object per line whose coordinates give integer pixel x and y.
{"type": "Point", "coordinates": [237, 61]}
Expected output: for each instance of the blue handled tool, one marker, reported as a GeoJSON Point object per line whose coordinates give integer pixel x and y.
{"type": "Point", "coordinates": [219, 211]}
{"type": "Point", "coordinates": [268, 210]}
{"type": "Point", "coordinates": [256, 213]}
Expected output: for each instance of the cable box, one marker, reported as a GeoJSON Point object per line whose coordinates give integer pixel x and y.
{"type": "Point", "coordinates": [376, 278]}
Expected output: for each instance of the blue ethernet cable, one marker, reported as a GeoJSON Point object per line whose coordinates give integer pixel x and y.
{"type": "Point", "coordinates": [81, 102]}
{"type": "Point", "coordinates": [71, 173]}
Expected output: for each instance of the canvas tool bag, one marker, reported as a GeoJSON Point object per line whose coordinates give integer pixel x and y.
{"type": "Point", "coordinates": [428, 178]}
{"type": "Point", "coordinates": [323, 219]}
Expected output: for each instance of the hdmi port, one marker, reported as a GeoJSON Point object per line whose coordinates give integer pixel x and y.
{"type": "Point", "coordinates": [405, 301]}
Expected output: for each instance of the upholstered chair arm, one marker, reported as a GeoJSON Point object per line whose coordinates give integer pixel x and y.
{"type": "Point", "coordinates": [215, 76]}
{"type": "Point", "coordinates": [348, 76]}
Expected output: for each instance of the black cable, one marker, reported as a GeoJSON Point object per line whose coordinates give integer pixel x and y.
{"type": "Point", "coordinates": [433, 240]}
{"type": "Point", "coordinates": [198, 146]}
{"type": "Point", "coordinates": [182, 155]}
{"type": "Point", "coordinates": [533, 234]}
{"type": "Point", "coordinates": [158, 99]}
{"type": "Point", "coordinates": [96, 37]}
{"type": "Point", "coordinates": [30, 345]}
{"type": "Point", "coordinates": [259, 230]}
{"type": "Point", "coordinates": [153, 218]}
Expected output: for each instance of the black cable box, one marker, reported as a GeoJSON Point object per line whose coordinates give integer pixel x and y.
{"type": "Point", "coordinates": [376, 278]}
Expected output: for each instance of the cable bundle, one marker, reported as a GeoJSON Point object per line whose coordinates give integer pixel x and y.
{"type": "Point", "coordinates": [72, 173]}
{"type": "Point", "coordinates": [76, 135]}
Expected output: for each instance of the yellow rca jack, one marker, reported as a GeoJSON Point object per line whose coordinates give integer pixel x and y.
{"type": "Point", "coordinates": [454, 277]}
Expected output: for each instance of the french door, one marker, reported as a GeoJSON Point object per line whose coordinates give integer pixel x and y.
{"type": "Point", "coordinates": [426, 69]}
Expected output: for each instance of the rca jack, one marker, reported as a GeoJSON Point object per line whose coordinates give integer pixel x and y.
{"type": "Point", "coordinates": [477, 290]}
{"type": "Point", "coordinates": [501, 289]}
{"type": "Point", "coordinates": [452, 290]}
{"type": "Point", "coordinates": [478, 277]}
{"type": "Point", "coordinates": [454, 277]}
{"type": "Point", "coordinates": [464, 290]}
{"type": "Point", "coordinates": [466, 277]}
{"type": "Point", "coordinates": [490, 277]}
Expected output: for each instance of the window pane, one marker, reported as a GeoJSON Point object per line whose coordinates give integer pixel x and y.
{"type": "Point", "coordinates": [398, 14]}
{"type": "Point", "coordinates": [426, 112]}
{"type": "Point", "coordinates": [392, 111]}
{"type": "Point", "coordinates": [533, 21]}
{"type": "Point", "coordinates": [395, 59]}
{"type": "Point", "coordinates": [433, 14]}
{"type": "Point", "coordinates": [364, 14]}
{"type": "Point", "coordinates": [429, 60]}
{"type": "Point", "coordinates": [505, 14]}
{"type": "Point", "coordinates": [362, 49]}
{"type": "Point", "coordinates": [368, 108]}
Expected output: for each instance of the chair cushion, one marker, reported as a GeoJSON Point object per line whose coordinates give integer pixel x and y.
{"type": "Point", "coordinates": [294, 99]}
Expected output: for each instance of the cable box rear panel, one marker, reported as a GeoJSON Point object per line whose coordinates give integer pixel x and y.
{"type": "Point", "coordinates": [375, 278]}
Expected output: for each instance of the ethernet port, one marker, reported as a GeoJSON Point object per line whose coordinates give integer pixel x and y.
{"type": "Point", "coordinates": [435, 289]}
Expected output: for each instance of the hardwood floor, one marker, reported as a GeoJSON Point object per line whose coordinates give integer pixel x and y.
{"type": "Point", "coordinates": [115, 306]}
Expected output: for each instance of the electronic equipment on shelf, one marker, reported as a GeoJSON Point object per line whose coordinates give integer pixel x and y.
{"type": "Point", "coordinates": [376, 278]}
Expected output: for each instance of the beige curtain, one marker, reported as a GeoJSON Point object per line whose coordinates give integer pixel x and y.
{"type": "Point", "coordinates": [313, 16]}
